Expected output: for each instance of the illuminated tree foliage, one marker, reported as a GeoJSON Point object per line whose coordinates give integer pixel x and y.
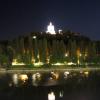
{"type": "Point", "coordinates": [92, 58]}
{"type": "Point", "coordinates": [42, 48]}
{"type": "Point", "coordinates": [54, 52]}
{"type": "Point", "coordinates": [35, 51]}
{"type": "Point", "coordinates": [62, 50]}
{"type": "Point", "coordinates": [72, 50]}
{"type": "Point", "coordinates": [47, 48]}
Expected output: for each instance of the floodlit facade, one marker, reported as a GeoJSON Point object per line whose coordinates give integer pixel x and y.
{"type": "Point", "coordinates": [50, 29]}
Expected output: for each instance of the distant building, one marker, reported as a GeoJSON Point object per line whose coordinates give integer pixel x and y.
{"type": "Point", "coordinates": [50, 29]}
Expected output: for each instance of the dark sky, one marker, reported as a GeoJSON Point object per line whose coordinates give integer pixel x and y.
{"type": "Point", "coordinates": [18, 17]}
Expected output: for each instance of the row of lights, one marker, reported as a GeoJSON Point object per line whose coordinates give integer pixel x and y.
{"type": "Point", "coordinates": [37, 76]}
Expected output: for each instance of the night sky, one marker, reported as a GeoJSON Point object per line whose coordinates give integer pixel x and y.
{"type": "Point", "coordinates": [19, 17]}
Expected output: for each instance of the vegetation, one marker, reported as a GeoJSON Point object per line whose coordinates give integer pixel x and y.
{"type": "Point", "coordinates": [40, 49]}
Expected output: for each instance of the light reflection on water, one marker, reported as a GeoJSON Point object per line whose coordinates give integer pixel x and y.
{"type": "Point", "coordinates": [39, 86]}
{"type": "Point", "coordinates": [15, 79]}
{"type": "Point", "coordinates": [46, 79]}
{"type": "Point", "coordinates": [51, 96]}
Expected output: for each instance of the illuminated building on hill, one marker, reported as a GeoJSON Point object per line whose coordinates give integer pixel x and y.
{"type": "Point", "coordinates": [50, 29]}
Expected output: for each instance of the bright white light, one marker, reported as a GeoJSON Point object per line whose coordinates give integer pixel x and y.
{"type": "Point", "coordinates": [71, 63]}
{"type": "Point", "coordinates": [34, 37]}
{"type": "Point", "coordinates": [66, 74]}
{"type": "Point", "coordinates": [15, 79]}
{"type": "Point", "coordinates": [60, 31]}
{"type": "Point", "coordinates": [58, 63]}
{"type": "Point", "coordinates": [50, 29]}
{"type": "Point", "coordinates": [51, 96]}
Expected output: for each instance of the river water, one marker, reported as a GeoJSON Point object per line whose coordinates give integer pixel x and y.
{"type": "Point", "coordinates": [50, 86]}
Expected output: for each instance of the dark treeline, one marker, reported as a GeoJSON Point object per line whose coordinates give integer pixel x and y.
{"type": "Point", "coordinates": [49, 49]}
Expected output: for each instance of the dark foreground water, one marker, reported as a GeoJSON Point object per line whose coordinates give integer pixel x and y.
{"type": "Point", "coordinates": [76, 86]}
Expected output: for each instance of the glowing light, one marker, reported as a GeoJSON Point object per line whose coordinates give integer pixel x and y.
{"type": "Point", "coordinates": [38, 75]}
{"type": "Point", "coordinates": [85, 54]}
{"type": "Point", "coordinates": [66, 74]}
{"type": "Point", "coordinates": [50, 29]}
{"type": "Point", "coordinates": [17, 63]}
{"type": "Point", "coordinates": [48, 60]}
{"type": "Point", "coordinates": [86, 73]}
{"type": "Point", "coordinates": [23, 77]}
{"type": "Point", "coordinates": [58, 64]}
{"type": "Point", "coordinates": [15, 79]}
{"type": "Point", "coordinates": [51, 96]}
{"type": "Point", "coordinates": [61, 94]}
{"type": "Point", "coordinates": [34, 37]}
{"type": "Point", "coordinates": [35, 78]}
{"type": "Point", "coordinates": [60, 31]}
{"type": "Point", "coordinates": [38, 64]}
{"type": "Point", "coordinates": [71, 63]}
{"type": "Point", "coordinates": [66, 55]}
{"type": "Point", "coordinates": [80, 54]}
{"type": "Point", "coordinates": [54, 75]}
{"type": "Point", "coordinates": [78, 61]}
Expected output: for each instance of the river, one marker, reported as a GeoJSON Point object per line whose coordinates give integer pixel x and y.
{"type": "Point", "coordinates": [81, 85]}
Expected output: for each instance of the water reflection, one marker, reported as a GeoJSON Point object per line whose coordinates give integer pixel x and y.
{"type": "Point", "coordinates": [36, 78]}
{"type": "Point", "coordinates": [52, 78]}
{"type": "Point", "coordinates": [15, 79]}
{"type": "Point", "coordinates": [54, 75]}
{"type": "Point", "coordinates": [23, 77]}
{"type": "Point", "coordinates": [76, 86]}
{"type": "Point", "coordinates": [51, 96]}
{"type": "Point", "coordinates": [66, 74]}
{"type": "Point", "coordinates": [61, 93]}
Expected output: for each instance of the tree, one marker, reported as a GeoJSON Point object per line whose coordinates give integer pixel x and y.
{"type": "Point", "coordinates": [44, 50]}
{"type": "Point", "coordinates": [30, 53]}
{"type": "Point", "coordinates": [92, 52]}
{"type": "Point", "coordinates": [62, 50]}
{"type": "Point", "coordinates": [35, 51]}
{"type": "Point", "coordinates": [10, 55]}
{"type": "Point", "coordinates": [72, 50]}
{"type": "Point", "coordinates": [53, 58]}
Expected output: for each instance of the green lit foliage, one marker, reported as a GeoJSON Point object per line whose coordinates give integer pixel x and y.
{"type": "Point", "coordinates": [27, 58]}
{"type": "Point", "coordinates": [62, 50]}
{"type": "Point", "coordinates": [58, 51]}
{"type": "Point", "coordinates": [3, 60]}
{"type": "Point", "coordinates": [42, 48]}
{"type": "Point", "coordinates": [35, 51]}
{"type": "Point", "coordinates": [72, 50]}
{"type": "Point", "coordinates": [10, 55]}
{"type": "Point", "coordinates": [3, 57]}
{"type": "Point", "coordinates": [92, 49]}
{"type": "Point", "coordinates": [92, 56]}
{"type": "Point", "coordinates": [21, 45]}
{"type": "Point", "coordinates": [30, 53]}
{"type": "Point", "coordinates": [53, 58]}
